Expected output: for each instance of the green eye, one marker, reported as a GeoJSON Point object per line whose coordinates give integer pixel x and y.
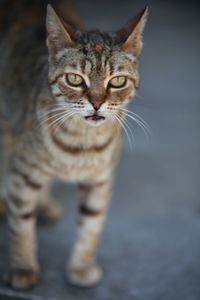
{"type": "Point", "coordinates": [118, 81]}
{"type": "Point", "coordinates": [74, 79]}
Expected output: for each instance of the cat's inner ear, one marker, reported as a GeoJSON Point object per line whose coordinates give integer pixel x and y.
{"type": "Point", "coordinates": [58, 36]}
{"type": "Point", "coordinates": [131, 35]}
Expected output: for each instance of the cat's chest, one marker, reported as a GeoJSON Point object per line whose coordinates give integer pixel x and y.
{"type": "Point", "coordinates": [81, 158]}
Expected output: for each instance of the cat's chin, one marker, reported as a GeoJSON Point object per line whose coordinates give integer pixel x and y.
{"type": "Point", "coordinates": [94, 120]}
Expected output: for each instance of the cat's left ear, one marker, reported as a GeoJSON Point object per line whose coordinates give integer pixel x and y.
{"type": "Point", "coordinates": [58, 35]}
{"type": "Point", "coordinates": [131, 35]}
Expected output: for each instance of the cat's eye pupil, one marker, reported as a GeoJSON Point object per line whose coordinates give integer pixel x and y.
{"type": "Point", "coordinates": [74, 79]}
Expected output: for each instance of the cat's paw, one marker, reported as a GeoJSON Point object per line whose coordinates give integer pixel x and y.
{"type": "Point", "coordinates": [85, 277]}
{"type": "Point", "coordinates": [22, 279]}
{"type": "Point", "coordinates": [49, 212]}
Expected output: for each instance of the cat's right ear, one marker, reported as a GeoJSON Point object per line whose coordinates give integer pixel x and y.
{"type": "Point", "coordinates": [130, 36]}
{"type": "Point", "coordinates": [58, 37]}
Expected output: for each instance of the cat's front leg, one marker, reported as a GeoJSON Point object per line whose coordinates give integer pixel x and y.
{"type": "Point", "coordinates": [83, 270]}
{"type": "Point", "coordinates": [23, 188]}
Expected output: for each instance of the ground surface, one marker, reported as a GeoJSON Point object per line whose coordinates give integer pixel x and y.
{"type": "Point", "coordinates": [150, 249]}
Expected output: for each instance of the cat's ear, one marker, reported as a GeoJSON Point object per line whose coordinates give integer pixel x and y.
{"type": "Point", "coordinates": [131, 35]}
{"type": "Point", "coordinates": [58, 36]}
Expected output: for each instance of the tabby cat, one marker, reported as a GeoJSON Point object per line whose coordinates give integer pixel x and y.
{"type": "Point", "coordinates": [62, 109]}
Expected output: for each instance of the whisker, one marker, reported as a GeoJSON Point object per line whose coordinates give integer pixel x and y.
{"type": "Point", "coordinates": [137, 95]}
{"type": "Point", "coordinates": [145, 129]}
{"type": "Point", "coordinates": [65, 117]}
{"type": "Point", "coordinates": [58, 105]}
{"type": "Point", "coordinates": [55, 110]}
{"type": "Point", "coordinates": [138, 120]}
{"type": "Point", "coordinates": [141, 125]}
{"type": "Point", "coordinates": [126, 123]}
{"type": "Point", "coordinates": [46, 118]}
{"type": "Point", "coordinates": [53, 117]}
{"type": "Point", "coordinates": [137, 116]}
{"type": "Point", "coordinates": [60, 118]}
{"type": "Point", "coordinates": [125, 130]}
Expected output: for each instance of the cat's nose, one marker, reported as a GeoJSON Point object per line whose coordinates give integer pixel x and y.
{"type": "Point", "coordinates": [96, 104]}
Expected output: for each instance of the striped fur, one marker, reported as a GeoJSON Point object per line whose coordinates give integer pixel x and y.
{"type": "Point", "coordinates": [59, 130]}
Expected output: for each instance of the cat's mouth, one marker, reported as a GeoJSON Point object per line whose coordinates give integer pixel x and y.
{"type": "Point", "coordinates": [95, 119]}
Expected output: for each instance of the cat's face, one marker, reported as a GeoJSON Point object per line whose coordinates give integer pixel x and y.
{"type": "Point", "coordinates": [93, 74]}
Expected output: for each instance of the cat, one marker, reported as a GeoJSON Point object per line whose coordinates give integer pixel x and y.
{"type": "Point", "coordinates": [62, 107]}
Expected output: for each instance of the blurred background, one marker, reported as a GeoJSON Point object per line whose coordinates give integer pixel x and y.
{"type": "Point", "coordinates": [150, 248]}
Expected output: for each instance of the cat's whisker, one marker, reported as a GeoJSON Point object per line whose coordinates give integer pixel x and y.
{"type": "Point", "coordinates": [141, 125]}
{"type": "Point", "coordinates": [59, 105]}
{"type": "Point", "coordinates": [54, 106]}
{"type": "Point", "coordinates": [145, 129]}
{"type": "Point", "coordinates": [50, 114]}
{"type": "Point", "coordinates": [63, 120]}
{"type": "Point", "coordinates": [137, 95]}
{"type": "Point", "coordinates": [126, 123]}
{"type": "Point", "coordinates": [125, 130]}
{"type": "Point", "coordinates": [139, 120]}
{"type": "Point", "coordinates": [136, 116]}
{"type": "Point", "coordinates": [65, 114]}
{"type": "Point", "coordinates": [48, 117]}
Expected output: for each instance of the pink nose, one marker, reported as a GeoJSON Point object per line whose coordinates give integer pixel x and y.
{"type": "Point", "coordinates": [96, 104]}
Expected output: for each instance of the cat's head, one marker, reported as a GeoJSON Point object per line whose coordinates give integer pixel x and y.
{"type": "Point", "coordinates": [93, 74]}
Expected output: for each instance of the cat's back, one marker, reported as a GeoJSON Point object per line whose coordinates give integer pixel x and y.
{"type": "Point", "coordinates": [23, 58]}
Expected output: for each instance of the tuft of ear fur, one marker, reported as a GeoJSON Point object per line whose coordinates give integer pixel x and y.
{"type": "Point", "coordinates": [131, 34]}
{"type": "Point", "coordinates": [58, 36]}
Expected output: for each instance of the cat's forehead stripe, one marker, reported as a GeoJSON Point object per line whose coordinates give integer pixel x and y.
{"type": "Point", "coordinates": [89, 65]}
{"type": "Point", "coordinates": [83, 65]}
{"type": "Point", "coordinates": [103, 59]}
{"type": "Point", "coordinates": [98, 61]}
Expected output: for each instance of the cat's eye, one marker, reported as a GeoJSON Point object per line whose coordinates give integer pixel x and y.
{"type": "Point", "coordinates": [117, 81]}
{"type": "Point", "coordinates": [74, 79]}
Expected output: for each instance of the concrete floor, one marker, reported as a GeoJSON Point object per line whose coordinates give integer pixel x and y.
{"type": "Point", "coordinates": [150, 248]}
